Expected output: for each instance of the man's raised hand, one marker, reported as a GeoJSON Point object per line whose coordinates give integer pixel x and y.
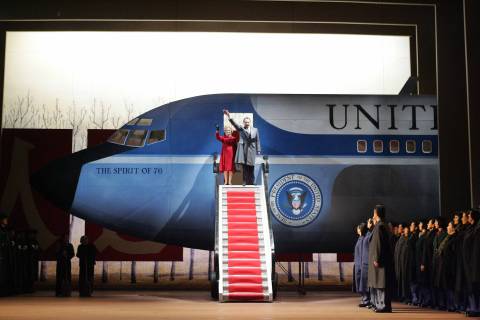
{"type": "Point", "coordinates": [225, 111]}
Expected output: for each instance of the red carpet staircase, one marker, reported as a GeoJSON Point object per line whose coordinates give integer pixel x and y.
{"type": "Point", "coordinates": [244, 245]}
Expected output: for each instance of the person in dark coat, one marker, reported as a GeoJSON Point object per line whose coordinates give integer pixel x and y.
{"type": "Point", "coordinates": [445, 277]}
{"type": "Point", "coordinates": [380, 263]}
{"type": "Point", "coordinates": [426, 285]}
{"type": "Point", "coordinates": [359, 282]}
{"type": "Point", "coordinates": [248, 148]}
{"type": "Point", "coordinates": [22, 262]}
{"type": "Point", "coordinates": [398, 262]}
{"type": "Point", "coordinates": [86, 253]}
{"type": "Point", "coordinates": [364, 273]}
{"type": "Point", "coordinates": [13, 284]}
{"type": "Point", "coordinates": [64, 255]}
{"type": "Point", "coordinates": [471, 264]}
{"type": "Point", "coordinates": [4, 256]}
{"type": "Point", "coordinates": [460, 278]}
{"type": "Point", "coordinates": [419, 245]}
{"type": "Point", "coordinates": [32, 257]}
{"type": "Point", "coordinates": [439, 298]}
{"type": "Point", "coordinates": [411, 287]}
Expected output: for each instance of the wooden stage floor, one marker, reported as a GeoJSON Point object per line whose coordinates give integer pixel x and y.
{"type": "Point", "coordinates": [119, 305]}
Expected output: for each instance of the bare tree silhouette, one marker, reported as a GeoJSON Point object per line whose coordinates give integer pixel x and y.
{"type": "Point", "coordinates": [75, 120]}
{"type": "Point", "coordinates": [99, 118]}
{"type": "Point", "coordinates": [129, 110]}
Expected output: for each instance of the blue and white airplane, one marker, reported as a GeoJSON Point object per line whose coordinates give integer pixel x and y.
{"type": "Point", "coordinates": [332, 158]}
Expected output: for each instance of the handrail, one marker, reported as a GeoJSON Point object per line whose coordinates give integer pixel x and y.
{"type": "Point", "coordinates": [215, 171]}
{"type": "Point", "coordinates": [265, 171]}
{"type": "Point", "coordinates": [216, 268]}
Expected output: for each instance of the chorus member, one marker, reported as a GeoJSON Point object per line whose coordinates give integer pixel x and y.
{"type": "Point", "coordinates": [380, 264]}
{"type": "Point", "coordinates": [248, 148]}
{"type": "Point", "coordinates": [460, 278]}
{"type": "Point", "coordinates": [398, 262]}
{"type": "Point", "coordinates": [64, 255]}
{"type": "Point", "coordinates": [445, 277]}
{"type": "Point", "coordinates": [359, 282]}
{"type": "Point", "coordinates": [4, 255]}
{"type": "Point", "coordinates": [426, 286]}
{"type": "Point", "coordinates": [470, 260]}
{"type": "Point", "coordinates": [438, 294]}
{"type": "Point", "coordinates": [33, 255]}
{"type": "Point", "coordinates": [227, 156]}
{"type": "Point", "coordinates": [364, 273]}
{"type": "Point", "coordinates": [419, 245]}
{"type": "Point", "coordinates": [86, 254]}
{"type": "Point", "coordinates": [411, 287]}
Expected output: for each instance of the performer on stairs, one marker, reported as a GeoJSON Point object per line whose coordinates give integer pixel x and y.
{"type": "Point", "coordinates": [248, 148]}
{"type": "Point", "coordinates": [229, 146]}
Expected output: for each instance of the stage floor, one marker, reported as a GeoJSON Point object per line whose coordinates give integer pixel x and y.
{"type": "Point", "coordinates": [118, 305]}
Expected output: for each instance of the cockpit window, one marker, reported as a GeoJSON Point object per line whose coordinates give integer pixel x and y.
{"type": "Point", "coordinates": [132, 122]}
{"type": "Point", "coordinates": [136, 138]}
{"type": "Point", "coordinates": [144, 122]}
{"type": "Point", "coordinates": [156, 136]}
{"type": "Point", "coordinates": [119, 136]}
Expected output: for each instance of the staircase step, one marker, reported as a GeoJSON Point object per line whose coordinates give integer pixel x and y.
{"type": "Point", "coordinates": [242, 212]}
{"type": "Point", "coordinates": [243, 247]}
{"type": "Point", "coordinates": [241, 193]}
{"type": "Point", "coordinates": [242, 232]}
{"type": "Point", "coordinates": [243, 239]}
{"type": "Point", "coordinates": [244, 271]}
{"type": "Point", "coordinates": [240, 199]}
{"type": "Point", "coordinates": [244, 296]}
{"type": "Point", "coordinates": [241, 206]}
{"type": "Point", "coordinates": [245, 278]}
{"type": "Point", "coordinates": [243, 255]}
{"type": "Point", "coordinates": [242, 225]}
{"type": "Point", "coordinates": [244, 263]}
{"type": "Point", "coordinates": [251, 219]}
{"type": "Point", "coordinates": [246, 287]}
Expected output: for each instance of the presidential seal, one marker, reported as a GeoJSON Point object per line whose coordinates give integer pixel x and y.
{"type": "Point", "coordinates": [295, 200]}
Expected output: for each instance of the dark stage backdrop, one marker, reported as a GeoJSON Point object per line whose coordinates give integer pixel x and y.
{"type": "Point", "coordinates": [113, 246]}
{"type": "Point", "coordinates": [23, 151]}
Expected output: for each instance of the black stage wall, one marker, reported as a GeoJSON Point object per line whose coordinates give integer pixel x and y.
{"type": "Point", "coordinates": [436, 27]}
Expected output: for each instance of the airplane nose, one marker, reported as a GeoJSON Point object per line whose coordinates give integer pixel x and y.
{"type": "Point", "coordinates": [57, 181]}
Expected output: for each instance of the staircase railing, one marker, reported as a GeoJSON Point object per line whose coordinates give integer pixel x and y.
{"type": "Point", "coordinates": [214, 277]}
{"type": "Point", "coordinates": [265, 173]}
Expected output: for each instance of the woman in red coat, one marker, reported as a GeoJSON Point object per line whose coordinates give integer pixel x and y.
{"type": "Point", "coordinates": [229, 147]}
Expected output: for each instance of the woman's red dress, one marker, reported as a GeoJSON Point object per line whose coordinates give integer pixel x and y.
{"type": "Point", "coordinates": [229, 147]}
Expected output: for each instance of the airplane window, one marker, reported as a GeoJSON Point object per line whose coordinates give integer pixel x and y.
{"type": "Point", "coordinates": [427, 146]}
{"type": "Point", "coordinates": [362, 146]}
{"type": "Point", "coordinates": [156, 136]}
{"type": "Point", "coordinates": [132, 122]}
{"type": "Point", "coordinates": [118, 136]}
{"type": "Point", "coordinates": [136, 138]}
{"type": "Point", "coordinates": [394, 146]}
{"type": "Point", "coordinates": [411, 146]}
{"type": "Point", "coordinates": [144, 122]}
{"type": "Point", "coordinates": [377, 146]}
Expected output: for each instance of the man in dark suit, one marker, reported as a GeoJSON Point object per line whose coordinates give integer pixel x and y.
{"type": "Point", "coordinates": [248, 148]}
{"type": "Point", "coordinates": [380, 263]}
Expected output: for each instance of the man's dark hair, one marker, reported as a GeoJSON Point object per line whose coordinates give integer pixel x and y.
{"type": "Point", "coordinates": [441, 222]}
{"type": "Point", "coordinates": [475, 214]}
{"type": "Point", "coordinates": [380, 209]}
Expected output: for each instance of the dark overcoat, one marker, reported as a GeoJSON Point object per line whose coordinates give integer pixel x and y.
{"type": "Point", "coordinates": [248, 145]}
{"type": "Point", "coordinates": [364, 273]}
{"type": "Point", "coordinates": [380, 251]}
{"type": "Point", "coordinates": [357, 264]}
{"type": "Point", "coordinates": [427, 258]}
{"type": "Point", "coordinates": [468, 257]}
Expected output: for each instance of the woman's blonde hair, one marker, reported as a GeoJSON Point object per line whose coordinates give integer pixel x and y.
{"type": "Point", "coordinates": [227, 127]}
